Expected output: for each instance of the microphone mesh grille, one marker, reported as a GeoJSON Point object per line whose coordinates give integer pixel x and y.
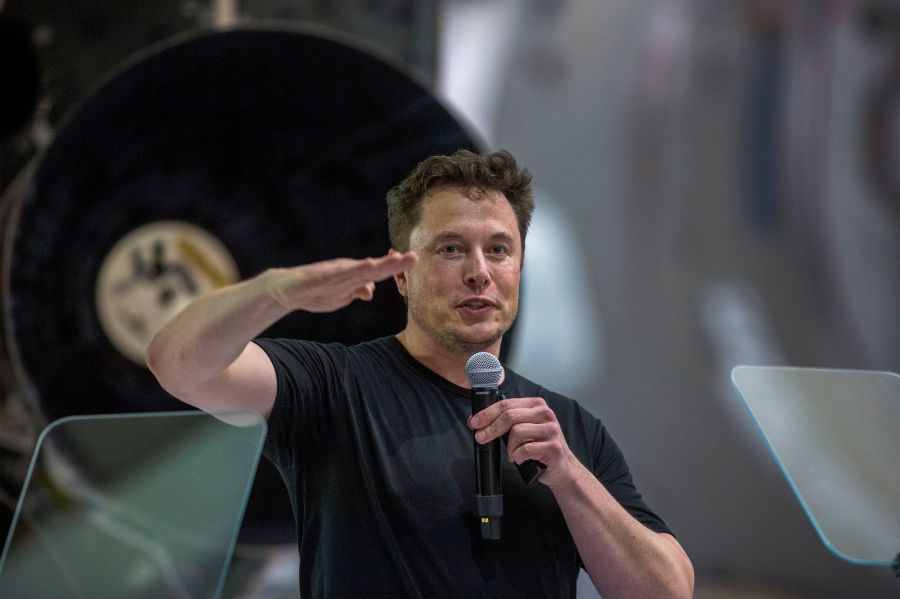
{"type": "Point", "coordinates": [483, 370]}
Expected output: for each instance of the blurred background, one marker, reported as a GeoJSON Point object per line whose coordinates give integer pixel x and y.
{"type": "Point", "coordinates": [718, 183]}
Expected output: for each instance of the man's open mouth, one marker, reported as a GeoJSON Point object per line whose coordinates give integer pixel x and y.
{"type": "Point", "coordinates": [476, 304]}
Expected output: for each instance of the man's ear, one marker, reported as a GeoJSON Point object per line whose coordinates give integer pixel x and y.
{"type": "Point", "coordinates": [400, 277]}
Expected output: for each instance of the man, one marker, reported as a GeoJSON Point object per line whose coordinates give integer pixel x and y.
{"type": "Point", "coordinates": [374, 440]}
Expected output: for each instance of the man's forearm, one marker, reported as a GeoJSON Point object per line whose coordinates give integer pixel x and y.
{"type": "Point", "coordinates": [204, 355]}
{"type": "Point", "coordinates": [621, 555]}
{"type": "Point", "coordinates": [211, 332]}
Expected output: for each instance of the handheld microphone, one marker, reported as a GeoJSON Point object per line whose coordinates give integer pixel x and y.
{"type": "Point", "coordinates": [483, 372]}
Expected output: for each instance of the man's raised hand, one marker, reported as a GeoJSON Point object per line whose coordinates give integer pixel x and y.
{"type": "Point", "coordinates": [330, 285]}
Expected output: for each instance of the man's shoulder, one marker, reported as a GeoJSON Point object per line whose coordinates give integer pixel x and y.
{"type": "Point", "coordinates": [517, 385]}
{"type": "Point", "coordinates": [523, 386]}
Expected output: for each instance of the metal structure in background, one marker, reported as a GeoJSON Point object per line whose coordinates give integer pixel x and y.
{"type": "Point", "coordinates": [265, 140]}
{"type": "Point", "coordinates": [58, 52]}
{"type": "Point", "coordinates": [203, 159]}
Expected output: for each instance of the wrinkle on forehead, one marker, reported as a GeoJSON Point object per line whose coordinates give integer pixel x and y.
{"type": "Point", "coordinates": [451, 206]}
{"type": "Point", "coordinates": [470, 192]}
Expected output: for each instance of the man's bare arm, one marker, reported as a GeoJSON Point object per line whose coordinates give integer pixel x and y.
{"type": "Point", "coordinates": [204, 356]}
{"type": "Point", "coordinates": [622, 556]}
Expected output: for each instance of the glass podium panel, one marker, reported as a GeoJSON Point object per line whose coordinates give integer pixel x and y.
{"type": "Point", "coordinates": [835, 434]}
{"type": "Point", "coordinates": [137, 505]}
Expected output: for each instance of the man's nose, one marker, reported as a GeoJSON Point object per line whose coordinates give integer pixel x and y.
{"type": "Point", "coordinates": [477, 274]}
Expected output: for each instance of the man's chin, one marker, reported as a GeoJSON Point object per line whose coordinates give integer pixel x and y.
{"type": "Point", "coordinates": [462, 338]}
{"type": "Point", "coordinates": [474, 342]}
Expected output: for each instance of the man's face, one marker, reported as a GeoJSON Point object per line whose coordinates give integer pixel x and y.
{"type": "Point", "coordinates": [463, 293]}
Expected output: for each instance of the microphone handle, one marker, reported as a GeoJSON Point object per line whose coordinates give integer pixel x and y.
{"type": "Point", "coordinates": [488, 483]}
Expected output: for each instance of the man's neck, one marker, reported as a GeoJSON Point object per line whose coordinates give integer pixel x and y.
{"type": "Point", "coordinates": [446, 363]}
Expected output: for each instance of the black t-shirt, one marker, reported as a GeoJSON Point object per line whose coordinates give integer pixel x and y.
{"type": "Point", "coordinates": [378, 461]}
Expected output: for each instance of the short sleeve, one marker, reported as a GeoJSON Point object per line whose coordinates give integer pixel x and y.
{"type": "Point", "coordinates": [610, 468]}
{"type": "Point", "coordinates": [306, 375]}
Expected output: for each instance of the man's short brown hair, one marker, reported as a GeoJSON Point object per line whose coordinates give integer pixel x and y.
{"type": "Point", "coordinates": [466, 170]}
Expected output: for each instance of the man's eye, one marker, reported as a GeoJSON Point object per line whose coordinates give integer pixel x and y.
{"type": "Point", "coordinates": [499, 250]}
{"type": "Point", "coordinates": [449, 250]}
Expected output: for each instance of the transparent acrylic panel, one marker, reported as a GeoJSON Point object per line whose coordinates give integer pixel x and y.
{"type": "Point", "coordinates": [137, 505]}
{"type": "Point", "coordinates": [836, 436]}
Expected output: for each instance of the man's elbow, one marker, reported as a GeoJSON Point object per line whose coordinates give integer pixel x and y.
{"type": "Point", "coordinates": [677, 572]}
{"type": "Point", "coordinates": [159, 360]}
{"type": "Point", "coordinates": [682, 585]}
{"type": "Point", "coordinates": [154, 356]}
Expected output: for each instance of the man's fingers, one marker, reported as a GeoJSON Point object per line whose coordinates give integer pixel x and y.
{"type": "Point", "coordinates": [355, 273]}
{"type": "Point", "coordinates": [378, 269]}
{"type": "Point", "coordinates": [534, 433]}
{"type": "Point", "coordinates": [332, 284]}
{"type": "Point", "coordinates": [516, 415]}
{"type": "Point", "coordinates": [533, 450]}
{"type": "Point", "coordinates": [490, 413]}
{"type": "Point", "coordinates": [366, 292]}
{"type": "Point", "coordinates": [348, 274]}
{"type": "Point", "coordinates": [526, 434]}
{"type": "Point", "coordinates": [495, 420]}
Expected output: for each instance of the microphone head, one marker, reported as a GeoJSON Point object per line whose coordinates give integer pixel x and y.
{"type": "Point", "coordinates": [483, 370]}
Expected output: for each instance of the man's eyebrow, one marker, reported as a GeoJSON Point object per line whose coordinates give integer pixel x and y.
{"type": "Point", "coordinates": [503, 236]}
{"type": "Point", "coordinates": [449, 235]}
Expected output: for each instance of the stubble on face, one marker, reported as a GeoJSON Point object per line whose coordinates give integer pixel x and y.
{"type": "Point", "coordinates": [450, 339]}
